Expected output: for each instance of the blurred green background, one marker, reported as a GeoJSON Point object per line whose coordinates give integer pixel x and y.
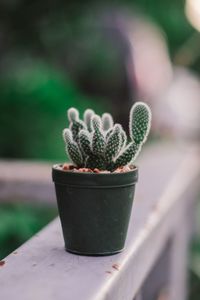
{"type": "Point", "coordinates": [58, 54]}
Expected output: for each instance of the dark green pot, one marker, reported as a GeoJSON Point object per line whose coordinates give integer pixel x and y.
{"type": "Point", "coordinates": [94, 210]}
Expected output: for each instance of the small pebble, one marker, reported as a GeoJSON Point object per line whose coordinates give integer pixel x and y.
{"type": "Point", "coordinates": [65, 167]}
{"type": "Point", "coordinates": [96, 170]}
{"type": "Point", "coordinates": [69, 167]}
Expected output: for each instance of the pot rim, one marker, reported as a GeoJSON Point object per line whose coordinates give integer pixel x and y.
{"type": "Point", "coordinates": [135, 169]}
{"type": "Point", "coordinates": [94, 180]}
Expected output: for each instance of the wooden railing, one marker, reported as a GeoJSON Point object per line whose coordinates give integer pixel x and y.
{"type": "Point", "coordinates": [153, 264]}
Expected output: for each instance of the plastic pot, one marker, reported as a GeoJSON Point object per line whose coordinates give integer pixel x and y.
{"type": "Point", "coordinates": [94, 209]}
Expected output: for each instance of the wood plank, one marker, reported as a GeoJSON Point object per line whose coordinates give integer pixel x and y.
{"type": "Point", "coordinates": [26, 181]}
{"type": "Point", "coordinates": [42, 270]}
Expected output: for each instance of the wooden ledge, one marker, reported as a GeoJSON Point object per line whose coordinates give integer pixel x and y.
{"type": "Point", "coordinates": [41, 269]}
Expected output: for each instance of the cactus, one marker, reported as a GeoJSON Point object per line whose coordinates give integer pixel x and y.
{"type": "Point", "coordinates": [88, 114]}
{"type": "Point", "coordinates": [85, 142]}
{"type": "Point", "coordinates": [97, 143]}
{"type": "Point", "coordinates": [107, 121]}
{"type": "Point", "coordinates": [98, 139]}
{"type": "Point", "coordinates": [72, 148]}
{"type": "Point", "coordinates": [113, 144]}
{"type": "Point", "coordinates": [75, 123]}
{"type": "Point", "coordinates": [140, 122]}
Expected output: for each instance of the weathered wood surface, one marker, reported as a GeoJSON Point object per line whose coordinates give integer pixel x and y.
{"type": "Point", "coordinates": [42, 270]}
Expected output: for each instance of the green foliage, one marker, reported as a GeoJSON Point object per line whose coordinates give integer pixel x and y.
{"type": "Point", "coordinates": [19, 221]}
{"type": "Point", "coordinates": [98, 143]}
{"type": "Point", "coordinates": [33, 97]}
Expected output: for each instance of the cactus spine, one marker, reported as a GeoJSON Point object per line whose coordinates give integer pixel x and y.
{"type": "Point", "coordinates": [97, 143]}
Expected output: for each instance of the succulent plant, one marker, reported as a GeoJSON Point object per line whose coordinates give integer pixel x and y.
{"type": "Point", "coordinates": [97, 142]}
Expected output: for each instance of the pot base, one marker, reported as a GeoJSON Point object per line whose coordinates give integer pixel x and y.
{"type": "Point", "coordinates": [93, 254]}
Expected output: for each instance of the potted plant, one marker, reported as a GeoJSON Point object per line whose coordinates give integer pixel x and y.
{"type": "Point", "coordinates": [95, 193]}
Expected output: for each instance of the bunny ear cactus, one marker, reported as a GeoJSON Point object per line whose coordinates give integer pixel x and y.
{"type": "Point", "coordinates": [98, 143]}
{"type": "Point", "coordinates": [72, 148]}
{"type": "Point", "coordinates": [98, 139]}
{"type": "Point", "coordinates": [75, 123]}
{"type": "Point", "coordinates": [85, 142]}
{"type": "Point", "coordinates": [88, 114]}
{"type": "Point", "coordinates": [113, 143]}
{"type": "Point", "coordinates": [139, 123]}
{"type": "Point", "coordinates": [107, 121]}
